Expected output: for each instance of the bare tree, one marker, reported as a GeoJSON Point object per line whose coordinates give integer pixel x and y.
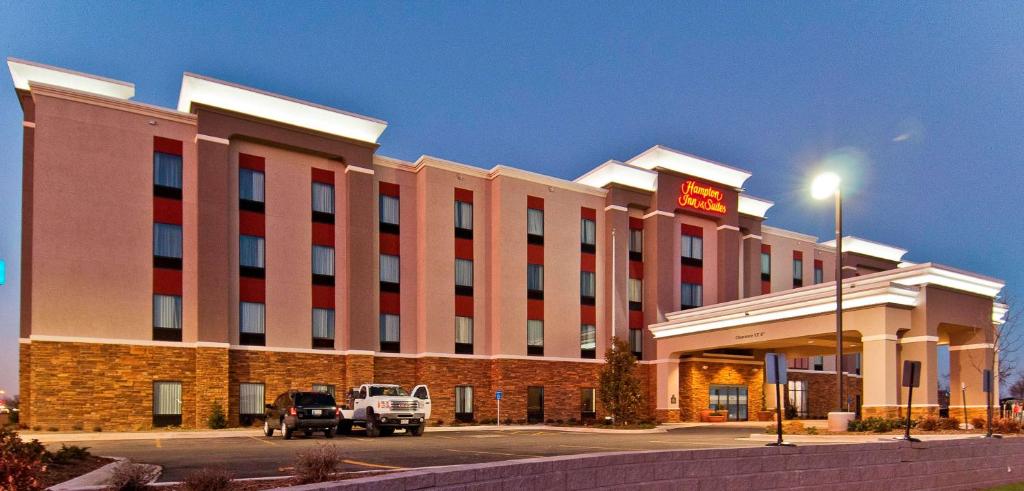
{"type": "Point", "coordinates": [1017, 389]}
{"type": "Point", "coordinates": [1007, 341]}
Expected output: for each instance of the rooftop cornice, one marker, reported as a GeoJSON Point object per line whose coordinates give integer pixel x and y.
{"type": "Point", "coordinates": [789, 234]}
{"type": "Point", "coordinates": [870, 248]}
{"type": "Point", "coordinates": [24, 73]}
{"type": "Point", "coordinates": [150, 110]}
{"type": "Point", "coordinates": [673, 160]}
{"type": "Point", "coordinates": [614, 172]}
{"type": "Point", "coordinates": [753, 206]}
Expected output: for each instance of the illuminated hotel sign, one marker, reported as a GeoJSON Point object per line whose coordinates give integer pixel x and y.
{"type": "Point", "coordinates": [702, 197]}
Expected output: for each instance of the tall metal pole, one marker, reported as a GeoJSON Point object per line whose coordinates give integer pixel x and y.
{"type": "Point", "coordinates": [839, 299]}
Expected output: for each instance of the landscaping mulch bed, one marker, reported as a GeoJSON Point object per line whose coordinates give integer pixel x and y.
{"type": "Point", "coordinates": [263, 484]}
{"type": "Point", "coordinates": [58, 473]}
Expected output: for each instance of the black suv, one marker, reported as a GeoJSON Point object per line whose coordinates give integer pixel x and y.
{"type": "Point", "coordinates": [306, 411]}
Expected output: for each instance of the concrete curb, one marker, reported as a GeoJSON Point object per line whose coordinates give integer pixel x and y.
{"type": "Point", "coordinates": [100, 478]}
{"type": "Point", "coordinates": [765, 437]}
{"type": "Point", "coordinates": [567, 429]}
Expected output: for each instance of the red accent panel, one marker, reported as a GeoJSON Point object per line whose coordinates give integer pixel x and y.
{"type": "Point", "coordinates": [765, 248]}
{"type": "Point", "coordinates": [390, 303]}
{"type": "Point", "coordinates": [534, 254]}
{"type": "Point", "coordinates": [253, 162]}
{"type": "Point", "coordinates": [324, 176]}
{"type": "Point", "coordinates": [636, 270]}
{"type": "Point", "coordinates": [252, 290]}
{"type": "Point", "coordinates": [250, 223]}
{"type": "Point", "coordinates": [692, 231]}
{"type": "Point", "coordinates": [693, 274]}
{"type": "Point", "coordinates": [389, 244]}
{"type": "Point", "coordinates": [463, 195]}
{"type": "Point", "coordinates": [818, 264]}
{"type": "Point", "coordinates": [535, 202]}
{"type": "Point", "coordinates": [388, 189]}
{"type": "Point", "coordinates": [323, 234]}
{"type": "Point", "coordinates": [588, 262]}
{"type": "Point", "coordinates": [798, 255]}
{"type": "Point", "coordinates": [588, 314]}
{"type": "Point", "coordinates": [323, 296]}
{"type": "Point", "coordinates": [588, 213]}
{"type": "Point", "coordinates": [535, 310]}
{"type": "Point", "coordinates": [167, 145]}
{"type": "Point", "coordinates": [464, 248]}
{"type": "Point", "coordinates": [766, 287]}
{"type": "Point", "coordinates": [463, 306]}
{"type": "Point", "coordinates": [166, 210]}
{"type": "Point", "coordinates": [636, 223]}
{"type": "Point", "coordinates": [636, 319]}
{"type": "Point", "coordinates": [167, 281]}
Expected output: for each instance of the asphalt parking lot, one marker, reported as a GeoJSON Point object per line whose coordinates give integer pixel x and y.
{"type": "Point", "coordinates": [259, 456]}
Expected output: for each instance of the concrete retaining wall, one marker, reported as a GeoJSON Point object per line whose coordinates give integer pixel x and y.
{"type": "Point", "coordinates": [946, 464]}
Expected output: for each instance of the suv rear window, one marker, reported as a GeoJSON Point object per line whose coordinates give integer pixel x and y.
{"type": "Point", "coordinates": [313, 399]}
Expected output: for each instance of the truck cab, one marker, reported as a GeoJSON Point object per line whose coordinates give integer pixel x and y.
{"type": "Point", "coordinates": [383, 408]}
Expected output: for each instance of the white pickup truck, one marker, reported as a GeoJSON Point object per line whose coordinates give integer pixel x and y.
{"type": "Point", "coordinates": [383, 408]}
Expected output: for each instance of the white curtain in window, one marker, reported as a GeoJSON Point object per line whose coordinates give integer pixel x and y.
{"type": "Point", "coordinates": [463, 272]}
{"type": "Point", "coordinates": [588, 231]}
{"type": "Point", "coordinates": [464, 330]}
{"type": "Point", "coordinates": [323, 198]}
{"type": "Point", "coordinates": [692, 295]}
{"type": "Point", "coordinates": [463, 399]}
{"type": "Point", "coordinates": [167, 240]}
{"type": "Point", "coordinates": [588, 336]}
{"type": "Point", "coordinates": [389, 328]}
{"type": "Point", "coordinates": [323, 323]}
{"type": "Point", "coordinates": [323, 260]}
{"type": "Point", "coordinates": [252, 318]}
{"type": "Point", "coordinates": [167, 170]}
{"type": "Point", "coordinates": [250, 185]}
{"type": "Point", "coordinates": [534, 333]}
{"type": "Point", "coordinates": [534, 221]}
{"type": "Point", "coordinates": [798, 269]}
{"type": "Point", "coordinates": [636, 344]}
{"type": "Point", "coordinates": [167, 311]}
{"type": "Point", "coordinates": [535, 277]}
{"type": "Point", "coordinates": [693, 247]}
{"type": "Point", "coordinates": [464, 215]}
{"type": "Point", "coordinates": [389, 268]}
{"type": "Point", "coordinates": [250, 399]}
{"type": "Point", "coordinates": [587, 283]}
{"type": "Point", "coordinates": [636, 290]}
{"type": "Point", "coordinates": [636, 240]}
{"type": "Point", "coordinates": [167, 398]}
{"type": "Point", "coordinates": [389, 209]}
{"type": "Point", "coordinates": [766, 263]}
{"type": "Point", "coordinates": [819, 276]}
{"type": "Point", "coordinates": [251, 251]}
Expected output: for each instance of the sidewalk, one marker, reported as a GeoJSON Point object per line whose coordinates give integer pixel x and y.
{"type": "Point", "coordinates": [856, 438]}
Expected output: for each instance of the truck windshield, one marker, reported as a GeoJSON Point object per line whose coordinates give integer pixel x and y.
{"type": "Point", "coordinates": [314, 399]}
{"type": "Point", "coordinates": [387, 391]}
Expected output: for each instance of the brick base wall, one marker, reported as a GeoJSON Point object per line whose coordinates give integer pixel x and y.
{"type": "Point", "coordinates": [280, 372]}
{"type": "Point", "coordinates": [695, 381]}
{"type": "Point", "coordinates": [25, 382]}
{"type": "Point", "coordinates": [821, 392]}
{"type": "Point", "coordinates": [211, 384]}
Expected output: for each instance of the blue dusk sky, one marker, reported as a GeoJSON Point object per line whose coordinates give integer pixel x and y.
{"type": "Point", "coordinates": [923, 101]}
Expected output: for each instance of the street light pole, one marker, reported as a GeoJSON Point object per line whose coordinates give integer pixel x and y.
{"type": "Point", "coordinates": [839, 298]}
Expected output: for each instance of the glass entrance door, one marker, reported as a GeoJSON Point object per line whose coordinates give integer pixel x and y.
{"type": "Point", "coordinates": [730, 398]}
{"type": "Point", "coordinates": [535, 404]}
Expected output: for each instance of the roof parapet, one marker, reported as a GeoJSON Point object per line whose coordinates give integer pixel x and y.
{"type": "Point", "coordinates": [24, 73]}
{"type": "Point", "coordinates": [752, 206]}
{"type": "Point", "coordinates": [866, 247]}
{"type": "Point", "coordinates": [684, 163]}
{"type": "Point", "coordinates": [615, 172]}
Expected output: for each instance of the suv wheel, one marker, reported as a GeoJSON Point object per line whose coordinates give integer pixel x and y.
{"type": "Point", "coordinates": [285, 432]}
{"type": "Point", "coordinates": [267, 430]}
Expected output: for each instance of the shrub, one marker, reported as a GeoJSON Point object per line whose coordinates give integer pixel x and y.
{"type": "Point", "coordinates": [317, 464]}
{"type": "Point", "coordinates": [793, 427]}
{"type": "Point", "coordinates": [208, 480]}
{"type": "Point", "coordinates": [37, 428]}
{"type": "Point", "coordinates": [573, 421]}
{"type": "Point", "coordinates": [949, 423]}
{"type": "Point", "coordinates": [508, 421]}
{"type": "Point", "coordinates": [978, 423]}
{"type": "Point", "coordinates": [78, 427]}
{"type": "Point", "coordinates": [550, 421]}
{"type": "Point", "coordinates": [14, 417]}
{"type": "Point", "coordinates": [1005, 425]}
{"type": "Point", "coordinates": [216, 420]}
{"type": "Point", "coordinates": [811, 430]}
{"type": "Point", "coordinates": [130, 477]}
{"type": "Point", "coordinates": [97, 429]}
{"type": "Point", "coordinates": [928, 423]}
{"type": "Point", "coordinates": [877, 425]}
{"type": "Point", "coordinates": [68, 454]}
{"type": "Point", "coordinates": [21, 463]}
{"type": "Point", "coordinates": [439, 422]}
{"type": "Point", "coordinates": [53, 428]}
{"type": "Point", "coordinates": [558, 421]}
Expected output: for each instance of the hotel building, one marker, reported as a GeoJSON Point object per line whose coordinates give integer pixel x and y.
{"type": "Point", "coordinates": [247, 243]}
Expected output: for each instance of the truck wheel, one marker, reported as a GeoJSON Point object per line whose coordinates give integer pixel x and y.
{"type": "Point", "coordinates": [329, 433]}
{"type": "Point", "coordinates": [372, 430]}
{"type": "Point", "coordinates": [417, 430]}
{"type": "Point", "coordinates": [308, 433]}
{"type": "Point", "coordinates": [387, 431]}
{"type": "Point", "coordinates": [345, 427]}
{"type": "Point", "coordinates": [285, 432]}
{"type": "Point", "coordinates": [267, 430]}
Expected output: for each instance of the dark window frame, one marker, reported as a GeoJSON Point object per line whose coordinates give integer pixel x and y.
{"type": "Point", "coordinates": [323, 279]}
{"type": "Point", "coordinates": [252, 339]}
{"type": "Point", "coordinates": [252, 272]}
{"type": "Point", "coordinates": [464, 348]}
{"type": "Point", "coordinates": [253, 206]}
{"type": "Point", "coordinates": [391, 346]}
{"type": "Point", "coordinates": [323, 343]}
{"type": "Point", "coordinates": [323, 217]}
{"type": "Point", "coordinates": [387, 286]}
{"type": "Point", "coordinates": [166, 334]}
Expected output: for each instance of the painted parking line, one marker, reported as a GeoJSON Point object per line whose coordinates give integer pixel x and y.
{"type": "Point", "coordinates": [158, 444]}
{"type": "Point", "coordinates": [263, 440]}
{"type": "Point", "coordinates": [368, 464]}
{"type": "Point", "coordinates": [494, 453]}
{"type": "Point", "coordinates": [605, 448]}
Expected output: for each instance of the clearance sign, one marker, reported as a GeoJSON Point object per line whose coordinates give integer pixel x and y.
{"type": "Point", "coordinates": [702, 197]}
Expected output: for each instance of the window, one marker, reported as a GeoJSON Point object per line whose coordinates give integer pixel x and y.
{"type": "Point", "coordinates": [766, 266]}
{"type": "Point", "coordinates": [251, 252]}
{"type": "Point", "coordinates": [251, 324]}
{"type": "Point", "coordinates": [535, 337]}
{"type": "Point", "coordinates": [250, 190]}
{"type": "Point", "coordinates": [388, 214]}
{"type": "Point", "coordinates": [323, 328]}
{"type": "Point", "coordinates": [799, 363]}
{"type": "Point", "coordinates": [635, 289]}
{"type": "Point", "coordinates": [796, 395]}
{"type": "Point", "coordinates": [324, 389]}
{"type": "Point", "coordinates": [588, 402]}
{"type": "Point", "coordinates": [167, 175]}
{"type": "Point", "coordinates": [463, 277]}
{"type": "Point", "coordinates": [535, 226]}
{"type": "Point", "coordinates": [819, 273]}
{"type": "Point", "coordinates": [798, 273]}
{"type": "Point", "coordinates": [166, 404]}
{"type": "Point", "coordinates": [323, 265]}
{"type": "Point", "coordinates": [390, 333]}
{"type": "Point", "coordinates": [464, 220]}
{"type": "Point", "coordinates": [389, 273]}
{"type": "Point", "coordinates": [323, 202]}
{"type": "Point", "coordinates": [819, 363]}
{"type": "Point", "coordinates": [693, 250]}
{"type": "Point", "coordinates": [464, 403]}
{"type": "Point", "coordinates": [166, 318]}
{"type": "Point", "coordinates": [535, 281]}
{"type": "Point", "coordinates": [588, 341]}
{"type": "Point", "coordinates": [250, 399]}
{"type": "Point", "coordinates": [588, 286]}
{"type": "Point", "coordinates": [464, 335]}
{"type": "Point", "coordinates": [166, 246]}
{"type": "Point", "coordinates": [588, 235]}
{"type": "Point", "coordinates": [636, 244]}
{"type": "Point", "coordinates": [636, 343]}
{"type": "Point", "coordinates": [692, 295]}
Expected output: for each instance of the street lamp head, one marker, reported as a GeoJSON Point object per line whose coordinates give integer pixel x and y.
{"type": "Point", "coordinates": [825, 185]}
